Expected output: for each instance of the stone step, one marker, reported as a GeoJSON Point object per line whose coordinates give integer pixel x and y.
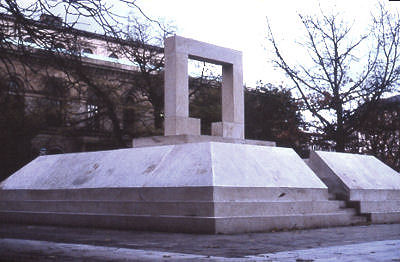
{"type": "Point", "coordinates": [260, 224]}
{"type": "Point", "coordinates": [170, 194]}
{"type": "Point", "coordinates": [109, 194]}
{"type": "Point", "coordinates": [269, 194]}
{"type": "Point", "coordinates": [379, 206]}
{"type": "Point", "coordinates": [182, 223]}
{"type": "Point", "coordinates": [187, 208]}
{"type": "Point", "coordinates": [374, 194]}
{"type": "Point", "coordinates": [331, 196]}
{"type": "Point", "coordinates": [279, 208]}
{"type": "Point", "coordinates": [182, 208]}
{"type": "Point", "coordinates": [385, 217]}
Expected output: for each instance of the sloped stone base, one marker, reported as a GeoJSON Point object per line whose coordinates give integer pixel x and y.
{"type": "Point", "coordinates": [198, 188]}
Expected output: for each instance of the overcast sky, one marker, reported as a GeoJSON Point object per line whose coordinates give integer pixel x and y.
{"type": "Point", "coordinates": [241, 25]}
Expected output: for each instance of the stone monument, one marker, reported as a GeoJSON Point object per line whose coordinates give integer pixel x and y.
{"type": "Point", "coordinates": [177, 121]}
{"type": "Point", "coordinates": [363, 181]}
{"type": "Point", "coordinates": [183, 181]}
{"type": "Point", "coordinates": [178, 126]}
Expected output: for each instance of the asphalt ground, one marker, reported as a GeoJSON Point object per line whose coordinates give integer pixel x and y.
{"type": "Point", "coordinates": [50, 243]}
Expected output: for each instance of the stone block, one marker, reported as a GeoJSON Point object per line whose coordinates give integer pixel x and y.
{"type": "Point", "coordinates": [385, 217]}
{"type": "Point", "coordinates": [182, 125]}
{"type": "Point", "coordinates": [365, 181]}
{"type": "Point", "coordinates": [207, 187]}
{"type": "Point", "coordinates": [184, 139]}
{"type": "Point", "coordinates": [227, 129]}
{"type": "Point", "coordinates": [343, 172]}
{"type": "Point", "coordinates": [192, 165]}
{"type": "Point", "coordinates": [380, 206]}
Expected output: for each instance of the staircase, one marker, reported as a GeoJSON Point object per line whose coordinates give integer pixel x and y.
{"type": "Point", "coordinates": [192, 210]}
{"type": "Point", "coordinates": [380, 206]}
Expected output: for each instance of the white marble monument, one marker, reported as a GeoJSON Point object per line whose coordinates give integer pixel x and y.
{"type": "Point", "coordinates": [177, 121]}
{"type": "Point", "coordinates": [182, 182]}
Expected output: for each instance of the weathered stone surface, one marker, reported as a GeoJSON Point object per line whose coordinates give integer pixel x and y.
{"type": "Point", "coordinates": [182, 125]}
{"type": "Point", "coordinates": [227, 129]}
{"type": "Point", "coordinates": [191, 165]}
{"type": "Point", "coordinates": [183, 139]}
{"type": "Point", "coordinates": [344, 172]}
{"type": "Point", "coordinates": [207, 187]}
{"type": "Point", "coordinates": [363, 180]}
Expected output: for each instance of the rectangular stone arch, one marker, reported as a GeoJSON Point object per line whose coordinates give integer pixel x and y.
{"type": "Point", "coordinates": [177, 121]}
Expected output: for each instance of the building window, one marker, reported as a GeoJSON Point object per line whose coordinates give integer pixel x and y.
{"type": "Point", "coordinates": [92, 110]}
{"type": "Point", "coordinates": [129, 118]}
{"type": "Point", "coordinates": [54, 112]}
{"type": "Point", "coordinates": [59, 46]}
{"type": "Point", "coordinates": [87, 51]}
{"type": "Point", "coordinates": [13, 87]}
{"type": "Point", "coordinates": [29, 40]}
{"type": "Point", "coordinates": [113, 55]}
{"type": "Point", "coordinates": [55, 91]}
{"type": "Point", "coordinates": [55, 87]}
{"type": "Point", "coordinates": [12, 94]}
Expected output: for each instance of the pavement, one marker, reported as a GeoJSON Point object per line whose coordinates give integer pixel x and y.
{"type": "Point", "coordinates": [50, 243]}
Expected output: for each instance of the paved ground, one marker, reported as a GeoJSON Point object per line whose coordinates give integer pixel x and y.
{"type": "Point", "coordinates": [44, 243]}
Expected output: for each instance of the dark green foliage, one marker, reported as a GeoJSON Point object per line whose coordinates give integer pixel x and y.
{"type": "Point", "coordinates": [272, 114]}
{"type": "Point", "coordinates": [206, 105]}
{"type": "Point", "coordinates": [16, 130]}
{"type": "Point", "coordinates": [377, 131]}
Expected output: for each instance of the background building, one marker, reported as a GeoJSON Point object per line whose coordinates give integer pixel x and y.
{"type": "Point", "coordinates": [69, 90]}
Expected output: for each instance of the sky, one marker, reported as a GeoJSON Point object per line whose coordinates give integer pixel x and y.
{"type": "Point", "coordinates": [242, 25]}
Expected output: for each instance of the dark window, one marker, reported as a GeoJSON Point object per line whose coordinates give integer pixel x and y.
{"type": "Point", "coordinates": [92, 111]}
{"type": "Point", "coordinates": [74, 50]}
{"type": "Point", "coordinates": [55, 91]}
{"type": "Point", "coordinates": [59, 46]}
{"type": "Point", "coordinates": [53, 112]}
{"type": "Point", "coordinates": [55, 87]}
{"type": "Point", "coordinates": [13, 87]}
{"type": "Point", "coordinates": [113, 55]}
{"type": "Point", "coordinates": [87, 51]}
{"type": "Point", "coordinates": [129, 118]}
{"type": "Point", "coordinates": [29, 40]}
{"type": "Point", "coordinates": [12, 98]}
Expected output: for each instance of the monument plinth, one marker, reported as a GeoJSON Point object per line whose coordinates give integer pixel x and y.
{"type": "Point", "coordinates": [362, 180]}
{"type": "Point", "coordinates": [182, 182]}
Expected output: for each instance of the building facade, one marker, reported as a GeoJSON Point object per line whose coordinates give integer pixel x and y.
{"type": "Point", "coordinates": [80, 88]}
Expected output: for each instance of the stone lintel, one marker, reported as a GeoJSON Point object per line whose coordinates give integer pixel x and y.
{"type": "Point", "coordinates": [202, 51]}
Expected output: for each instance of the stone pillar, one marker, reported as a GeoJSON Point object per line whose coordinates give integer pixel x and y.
{"type": "Point", "coordinates": [176, 92]}
{"type": "Point", "coordinates": [232, 124]}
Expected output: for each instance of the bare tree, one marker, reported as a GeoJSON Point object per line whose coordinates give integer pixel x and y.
{"type": "Point", "coordinates": [40, 41]}
{"type": "Point", "coordinates": [330, 86]}
{"type": "Point", "coordinates": [144, 47]}
{"type": "Point", "coordinates": [26, 37]}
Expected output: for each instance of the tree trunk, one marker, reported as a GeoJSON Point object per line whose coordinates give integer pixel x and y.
{"type": "Point", "coordinates": [158, 119]}
{"type": "Point", "coordinates": [339, 136]}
